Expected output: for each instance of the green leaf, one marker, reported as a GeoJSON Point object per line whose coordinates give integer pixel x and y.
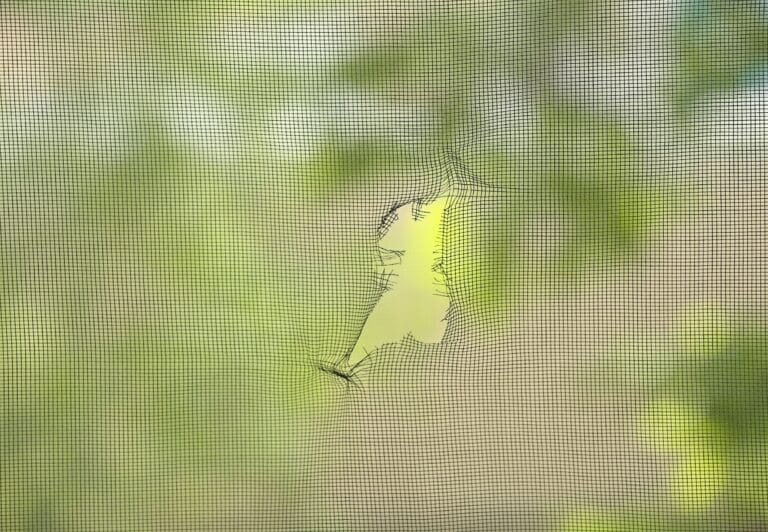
{"type": "Point", "coordinates": [337, 164]}
{"type": "Point", "coordinates": [381, 64]}
{"type": "Point", "coordinates": [416, 300]}
{"type": "Point", "coordinates": [592, 170]}
{"type": "Point", "coordinates": [678, 427]}
{"type": "Point", "coordinates": [699, 478]}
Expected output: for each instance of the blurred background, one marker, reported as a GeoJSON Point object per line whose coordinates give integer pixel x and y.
{"type": "Point", "coordinates": [190, 194]}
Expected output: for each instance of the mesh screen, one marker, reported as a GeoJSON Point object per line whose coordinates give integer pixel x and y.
{"type": "Point", "coordinates": [404, 265]}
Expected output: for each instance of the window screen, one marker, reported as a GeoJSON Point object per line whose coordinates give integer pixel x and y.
{"type": "Point", "coordinates": [406, 265]}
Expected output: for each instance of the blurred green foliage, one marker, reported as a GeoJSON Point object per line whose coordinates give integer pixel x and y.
{"type": "Point", "coordinates": [170, 264]}
{"type": "Point", "coordinates": [592, 169]}
{"type": "Point", "coordinates": [708, 416]}
{"type": "Point", "coordinates": [720, 44]}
